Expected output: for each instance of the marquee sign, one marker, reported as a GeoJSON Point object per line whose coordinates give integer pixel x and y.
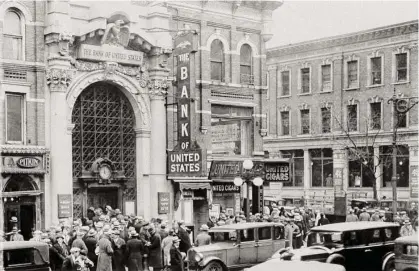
{"type": "Point", "coordinates": [22, 164]}
{"type": "Point", "coordinates": [277, 171]}
{"type": "Point", "coordinates": [186, 159]}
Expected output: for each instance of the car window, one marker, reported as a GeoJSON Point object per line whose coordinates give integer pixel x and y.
{"type": "Point", "coordinates": [265, 233]}
{"type": "Point", "coordinates": [247, 235]}
{"type": "Point", "coordinates": [21, 257]}
{"type": "Point", "coordinates": [390, 234]}
{"type": "Point", "coordinates": [411, 250]}
{"type": "Point", "coordinates": [373, 236]}
{"type": "Point", "coordinates": [278, 232]}
{"type": "Point", "coordinates": [353, 238]}
{"type": "Point", "coordinates": [327, 239]}
{"type": "Point", "coordinates": [223, 236]}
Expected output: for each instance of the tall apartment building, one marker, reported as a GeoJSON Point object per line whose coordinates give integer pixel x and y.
{"type": "Point", "coordinates": [329, 113]}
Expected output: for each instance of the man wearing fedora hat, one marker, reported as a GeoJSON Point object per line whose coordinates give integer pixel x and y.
{"type": "Point", "coordinates": [203, 237]}
{"type": "Point", "coordinates": [407, 228]}
{"type": "Point", "coordinates": [135, 251]}
{"type": "Point", "coordinates": [15, 235]}
{"type": "Point", "coordinates": [185, 241]}
{"type": "Point", "coordinates": [176, 257]}
{"type": "Point", "coordinates": [91, 243]}
{"type": "Point", "coordinates": [119, 248]}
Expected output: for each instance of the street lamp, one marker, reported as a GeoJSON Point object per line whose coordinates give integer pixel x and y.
{"type": "Point", "coordinates": [249, 177]}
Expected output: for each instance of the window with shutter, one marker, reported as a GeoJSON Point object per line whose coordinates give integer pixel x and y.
{"type": "Point", "coordinates": [305, 121]}
{"type": "Point", "coordinates": [326, 77]}
{"type": "Point", "coordinates": [353, 74]}
{"type": "Point", "coordinates": [375, 116]}
{"type": "Point", "coordinates": [376, 70]}
{"type": "Point", "coordinates": [285, 82]}
{"type": "Point", "coordinates": [326, 120]}
{"type": "Point", "coordinates": [246, 76]}
{"type": "Point", "coordinates": [305, 80]}
{"type": "Point", "coordinates": [217, 60]}
{"type": "Point", "coordinates": [352, 118]}
{"type": "Point", "coordinates": [401, 66]}
{"type": "Point", "coordinates": [285, 123]}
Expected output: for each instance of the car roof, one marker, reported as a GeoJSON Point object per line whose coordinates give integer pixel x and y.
{"type": "Point", "coordinates": [278, 264]}
{"type": "Point", "coordinates": [408, 239]}
{"type": "Point", "coordinates": [11, 245]}
{"type": "Point", "coordinates": [241, 226]}
{"type": "Point", "coordinates": [354, 226]}
{"type": "Point", "coordinates": [364, 200]}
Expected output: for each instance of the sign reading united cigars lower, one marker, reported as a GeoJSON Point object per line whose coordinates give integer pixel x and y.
{"type": "Point", "coordinates": [225, 188]}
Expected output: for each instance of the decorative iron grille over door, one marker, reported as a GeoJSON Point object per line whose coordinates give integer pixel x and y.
{"type": "Point", "coordinates": [104, 127]}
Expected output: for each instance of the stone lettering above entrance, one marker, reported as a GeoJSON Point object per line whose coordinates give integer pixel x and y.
{"type": "Point", "coordinates": [110, 53]}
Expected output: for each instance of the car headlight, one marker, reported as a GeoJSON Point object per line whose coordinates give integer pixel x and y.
{"type": "Point", "coordinates": [198, 257]}
{"type": "Point", "coordinates": [295, 257]}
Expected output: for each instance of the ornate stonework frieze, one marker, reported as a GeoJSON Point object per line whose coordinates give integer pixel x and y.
{"type": "Point", "coordinates": [59, 79]}
{"type": "Point", "coordinates": [157, 87]}
{"type": "Point", "coordinates": [65, 39]}
{"type": "Point", "coordinates": [112, 67]}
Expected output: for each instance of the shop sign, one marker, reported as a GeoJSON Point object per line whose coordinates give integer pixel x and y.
{"type": "Point", "coordinates": [225, 188]}
{"type": "Point", "coordinates": [65, 205]}
{"type": "Point", "coordinates": [185, 163]}
{"type": "Point", "coordinates": [163, 202]}
{"type": "Point", "coordinates": [338, 179]}
{"type": "Point", "coordinates": [27, 163]}
{"type": "Point", "coordinates": [225, 169]}
{"type": "Point", "coordinates": [277, 171]}
{"type": "Point", "coordinates": [414, 182]}
{"type": "Point", "coordinates": [110, 53]}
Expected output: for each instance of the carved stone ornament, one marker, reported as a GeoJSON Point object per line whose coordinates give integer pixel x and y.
{"type": "Point", "coordinates": [116, 34]}
{"type": "Point", "coordinates": [58, 78]}
{"type": "Point", "coordinates": [65, 39]}
{"type": "Point", "coordinates": [137, 72]}
{"type": "Point", "coordinates": [158, 87]}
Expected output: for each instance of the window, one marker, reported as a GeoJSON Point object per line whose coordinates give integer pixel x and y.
{"type": "Point", "coordinates": [305, 80]}
{"type": "Point", "coordinates": [264, 233]}
{"type": "Point", "coordinates": [352, 118]}
{"type": "Point", "coordinates": [401, 67]}
{"type": "Point", "coordinates": [326, 78]}
{"type": "Point", "coordinates": [278, 233]}
{"type": "Point", "coordinates": [375, 117]}
{"type": "Point", "coordinates": [326, 120]}
{"type": "Point", "coordinates": [285, 123]}
{"type": "Point", "coordinates": [247, 235]}
{"type": "Point", "coordinates": [402, 163]}
{"type": "Point", "coordinates": [285, 83]}
{"type": "Point", "coordinates": [361, 167]}
{"type": "Point", "coordinates": [305, 121]}
{"type": "Point", "coordinates": [321, 167]}
{"type": "Point", "coordinates": [376, 71]}
{"type": "Point", "coordinates": [352, 74]}
{"type": "Point", "coordinates": [13, 36]}
{"type": "Point", "coordinates": [401, 120]}
{"type": "Point", "coordinates": [15, 117]}
{"type": "Point", "coordinates": [246, 75]}
{"type": "Point", "coordinates": [296, 167]}
{"type": "Point", "coordinates": [411, 250]}
{"type": "Point", "coordinates": [217, 60]}
{"type": "Point", "coordinates": [231, 130]}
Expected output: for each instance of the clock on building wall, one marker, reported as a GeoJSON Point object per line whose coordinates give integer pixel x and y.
{"type": "Point", "coordinates": [105, 172]}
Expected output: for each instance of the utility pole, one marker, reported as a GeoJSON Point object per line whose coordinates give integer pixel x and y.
{"type": "Point", "coordinates": [400, 105]}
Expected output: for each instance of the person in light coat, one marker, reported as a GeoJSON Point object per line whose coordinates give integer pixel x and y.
{"type": "Point", "coordinates": [351, 217]}
{"type": "Point", "coordinates": [203, 238]}
{"type": "Point", "coordinates": [105, 252]}
{"type": "Point", "coordinates": [166, 245]}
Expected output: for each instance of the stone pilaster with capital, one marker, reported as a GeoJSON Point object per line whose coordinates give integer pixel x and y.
{"type": "Point", "coordinates": [59, 79]}
{"type": "Point", "coordinates": [157, 88]}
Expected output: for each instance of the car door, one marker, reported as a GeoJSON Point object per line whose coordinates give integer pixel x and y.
{"type": "Point", "coordinates": [265, 243]}
{"type": "Point", "coordinates": [248, 247]}
{"type": "Point", "coordinates": [355, 252]}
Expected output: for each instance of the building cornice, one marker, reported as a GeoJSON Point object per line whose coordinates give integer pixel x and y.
{"type": "Point", "coordinates": [351, 38]}
{"type": "Point", "coordinates": [13, 149]}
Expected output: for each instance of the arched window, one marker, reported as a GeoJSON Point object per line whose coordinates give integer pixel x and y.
{"type": "Point", "coordinates": [246, 73]}
{"type": "Point", "coordinates": [217, 60]}
{"type": "Point", "coordinates": [13, 35]}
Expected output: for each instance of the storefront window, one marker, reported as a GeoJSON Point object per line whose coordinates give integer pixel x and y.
{"type": "Point", "coordinates": [297, 167]}
{"type": "Point", "coordinates": [321, 167]}
{"type": "Point", "coordinates": [231, 130]}
{"type": "Point", "coordinates": [361, 167]}
{"type": "Point", "coordinates": [402, 162]}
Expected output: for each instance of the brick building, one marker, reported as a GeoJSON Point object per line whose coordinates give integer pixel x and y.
{"type": "Point", "coordinates": [228, 97]}
{"type": "Point", "coordinates": [329, 113]}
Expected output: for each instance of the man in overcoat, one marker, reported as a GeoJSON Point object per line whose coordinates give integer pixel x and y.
{"type": "Point", "coordinates": [135, 251]}
{"type": "Point", "coordinates": [155, 250]}
{"type": "Point", "coordinates": [104, 260]}
{"type": "Point", "coordinates": [176, 257]}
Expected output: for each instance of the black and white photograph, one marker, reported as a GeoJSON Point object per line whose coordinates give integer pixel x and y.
{"type": "Point", "coordinates": [209, 135]}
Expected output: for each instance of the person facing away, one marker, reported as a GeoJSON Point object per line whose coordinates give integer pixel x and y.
{"type": "Point", "coordinates": [155, 250]}
{"type": "Point", "coordinates": [135, 252]}
{"type": "Point", "coordinates": [351, 217]}
{"type": "Point", "coordinates": [203, 238]}
{"type": "Point", "coordinates": [323, 220]}
{"type": "Point", "coordinates": [105, 252]}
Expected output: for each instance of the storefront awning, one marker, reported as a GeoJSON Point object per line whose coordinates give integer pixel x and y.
{"type": "Point", "coordinates": [194, 186]}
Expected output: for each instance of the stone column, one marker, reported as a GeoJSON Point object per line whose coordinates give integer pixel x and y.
{"type": "Point", "coordinates": [340, 175]}
{"type": "Point", "coordinates": [307, 173]}
{"type": "Point", "coordinates": [143, 171]}
{"type": "Point", "coordinates": [60, 139]}
{"type": "Point", "coordinates": [378, 177]}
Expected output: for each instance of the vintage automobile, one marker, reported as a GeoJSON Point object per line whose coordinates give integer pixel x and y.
{"type": "Point", "coordinates": [355, 245]}
{"type": "Point", "coordinates": [25, 255]}
{"type": "Point", "coordinates": [237, 246]}
{"type": "Point", "coordinates": [406, 253]}
{"type": "Point", "coordinates": [369, 204]}
{"type": "Point", "coordinates": [277, 264]}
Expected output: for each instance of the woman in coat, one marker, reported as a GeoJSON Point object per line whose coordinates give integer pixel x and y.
{"type": "Point", "coordinates": [176, 257]}
{"type": "Point", "coordinates": [104, 260]}
{"type": "Point", "coordinates": [135, 251]}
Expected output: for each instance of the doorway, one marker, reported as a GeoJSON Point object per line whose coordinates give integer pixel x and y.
{"type": "Point", "coordinates": [25, 213]}
{"type": "Point", "coordinates": [100, 197]}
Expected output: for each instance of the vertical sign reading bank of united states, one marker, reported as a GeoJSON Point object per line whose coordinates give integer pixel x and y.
{"type": "Point", "coordinates": [186, 158]}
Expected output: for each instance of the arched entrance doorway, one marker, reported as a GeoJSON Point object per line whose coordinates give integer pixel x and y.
{"type": "Point", "coordinates": [103, 149]}
{"type": "Point", "coordinates": [20, 200]}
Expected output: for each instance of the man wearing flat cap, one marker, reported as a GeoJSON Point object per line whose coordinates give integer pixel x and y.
{"type": "Point", "coordinates": [203, 237]}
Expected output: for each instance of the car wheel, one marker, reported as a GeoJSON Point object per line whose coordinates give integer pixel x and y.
{"type": "Point", "coordinates": [390, 265]}
{"type": "Point", "coordinates": [213, 266]}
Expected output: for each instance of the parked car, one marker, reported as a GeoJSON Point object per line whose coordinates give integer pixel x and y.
{"type": "Point", "coordinates": [25, 256]}
{"type": "Point", "coordinates": [277, 264]}
{"type": "Point", "coordinates": [406, 253]}
{"type": "Point", "coordinates": [237, 246]}
{"type": "Point", "coordinates": [355, 245]}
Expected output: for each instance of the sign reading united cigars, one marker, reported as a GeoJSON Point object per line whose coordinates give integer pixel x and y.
{"type": "Point", "coordinates": [186, 158]}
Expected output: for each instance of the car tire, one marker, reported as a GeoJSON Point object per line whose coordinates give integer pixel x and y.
{"type": "Point", "coordinates": [336, 259]}
{"type": "Point", "coordinates": [213, 266]}
{"type": "Point", "coordinates": [390, 265]}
